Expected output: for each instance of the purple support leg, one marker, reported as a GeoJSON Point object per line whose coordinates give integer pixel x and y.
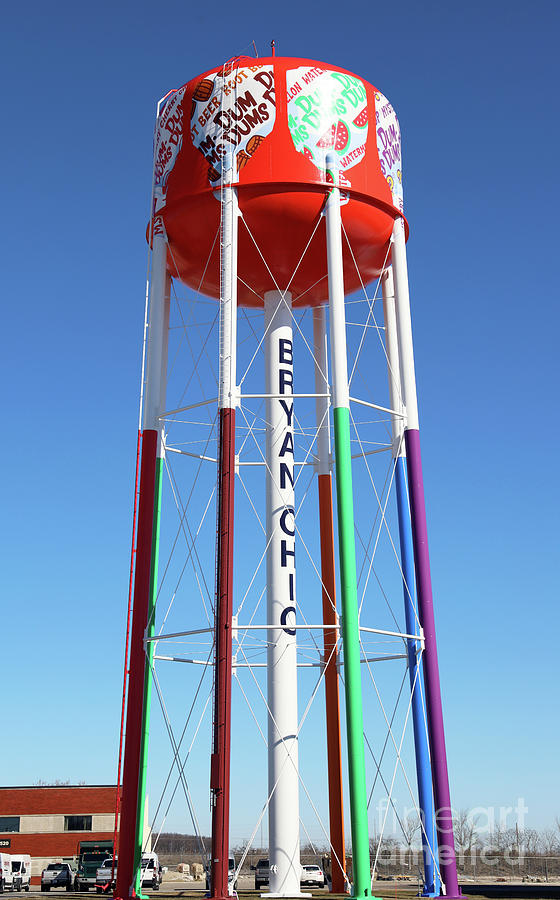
{"type": "Point", "coordinates": [444, 821]}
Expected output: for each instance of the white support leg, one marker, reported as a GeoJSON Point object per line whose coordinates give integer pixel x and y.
{"type": "Point", "coordinates": [393, 366]}
{"type": "Point", "coordinates": [156, 353]}
{"type": "Point", "coordinates": [228, 291]}
{"type": "Point", "coordinates": [164, 354]}
{"type": "Point", "coordinates": [283, 813]}
{"type": "Point", "coordinates": [322, 404]}
{"type": "Point", "coordinates": [404, 324]}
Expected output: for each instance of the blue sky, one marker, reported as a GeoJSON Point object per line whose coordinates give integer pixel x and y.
{"type": "Point", "coordinates": [475, 89]}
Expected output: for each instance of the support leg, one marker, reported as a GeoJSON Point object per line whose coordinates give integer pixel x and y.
{"type": "Point", "coordinates": [125, 886]}
{"type": "Point", "coordinates": [150, 630]}
{"type": "Point", "coordinates": [330, 617]}
{"type": "Point", "coordinates": [283, 780]}
{"type": "Point", "coordinates": [440, 778]}
{"type": "Point", "coordinates": [220, 762]}
{"type": "Point", "coordinates": [347, 549]}
{"type": "Point", "coordinates": [415, 668]}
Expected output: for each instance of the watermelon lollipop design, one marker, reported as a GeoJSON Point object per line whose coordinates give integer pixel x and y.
{"type": "Point", "coordinates": [336, 136]}
{"type": "Point", "coordinates": [361, 119]}
{"type": "Point", "coordinates": [327, 112]}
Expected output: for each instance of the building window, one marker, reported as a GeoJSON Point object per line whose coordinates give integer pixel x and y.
{"type": "Point", "coordinates": [77, 823]}
{"type": "Point", "coordinates": [9, 823]}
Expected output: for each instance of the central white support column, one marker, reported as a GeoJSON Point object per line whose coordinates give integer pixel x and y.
{"type": "Point", "coordinates": [283, 812]}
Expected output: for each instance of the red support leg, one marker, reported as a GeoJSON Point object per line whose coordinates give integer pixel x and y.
{"type": "Point", "coordinates": [220, 763]}
{"type": "Point", "coordinates": [125, 870]}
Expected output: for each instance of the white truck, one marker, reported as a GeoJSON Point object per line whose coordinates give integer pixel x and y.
{"type": "Point", "coordinates": [151, 871]}
{"type": "Point", "coordinates": [232, 881]}
{"type": "Point", "coordinates": [6, 877]}
{"type": "Point", "coordinates": [21, 871]}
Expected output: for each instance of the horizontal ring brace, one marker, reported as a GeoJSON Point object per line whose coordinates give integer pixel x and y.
{"type": "Point", "coordinates": [172, 412]}
{"type": "Point", "coordinates": [371, 452]}
{"type": "Point", "coordinates": [393, 412]}
{"type": "Point", "coordinates": [203, 662]}
{"type": "Point", "coordinates": [303, 463]}
{"type": "Point", "coordinates": [194, 662]}
{"type": "Point", "coordinates": [383, 658]}
{"type": "Point", "coordinates": [163, 637]}
{"type": "Point", "coordinates": [192, 455]}
{"type": "Point", "coordinates": [238, 627]}
{"type": "Point", "coordinates": [412, 637]}
{"type": "Point", "coordinates": [280, 396]}
{"type": "Point", "coordinates": [283, 627]}
{"type": "Point", "coordinates": [309, 665]}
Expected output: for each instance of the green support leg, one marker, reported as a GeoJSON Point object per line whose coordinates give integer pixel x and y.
{"type": "Point", "coordinates": [352, 655]}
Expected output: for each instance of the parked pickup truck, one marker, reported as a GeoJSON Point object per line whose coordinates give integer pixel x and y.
{"type": "Point", "coordinates": [57, 875]}
{"type": "Point", "coordinates": [261, 874]}
{"type": "Point", "coordinates": [103, 879]}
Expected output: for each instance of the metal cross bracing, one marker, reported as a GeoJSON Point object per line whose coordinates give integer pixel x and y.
{"type": "Point", "coordinates": [185, 593]}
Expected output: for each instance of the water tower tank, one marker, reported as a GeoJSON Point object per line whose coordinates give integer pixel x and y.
{"type": "Point", "coordinates": [279, 116]}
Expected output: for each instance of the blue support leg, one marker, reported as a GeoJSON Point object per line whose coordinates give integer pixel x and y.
{"type": "Point", "coordinates": [423, 768]}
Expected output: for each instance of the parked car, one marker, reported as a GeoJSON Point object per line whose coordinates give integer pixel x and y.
{"type": "Point", "coordinates": [152, 872]}
{"type": "Point", "coordinates": [21, 871]}
{"type": "Point", "coordinates": [103, 876]}
{"type": "Point", "coordinates": [312, 875]}
{"type": "Point", "coordinates": [262, 872]}
{"type": "Point", "coordinates": [6, 876]}
{"type": "Point", "coordinates": [57, 875]}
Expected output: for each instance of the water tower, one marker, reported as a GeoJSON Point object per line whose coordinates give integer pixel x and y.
{"type": "Point", "coordinates": [278, 187]}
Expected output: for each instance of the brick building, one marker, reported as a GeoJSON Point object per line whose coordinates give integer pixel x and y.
{"type": "Point", "coordinates": [49, 822]}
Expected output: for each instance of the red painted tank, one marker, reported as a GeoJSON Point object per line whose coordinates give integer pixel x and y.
{"type": "Point", "coordinates": [279, 117]}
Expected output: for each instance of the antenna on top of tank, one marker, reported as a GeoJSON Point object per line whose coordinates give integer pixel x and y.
{"type": "Point", "coordinates": [255, 49]}
{"type": "Point", "coordinates": [273, 48]}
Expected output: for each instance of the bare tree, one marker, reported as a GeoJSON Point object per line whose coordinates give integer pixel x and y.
{"type": "Point", "coordinates": [410, 827]}
{"type": "Point", "coordinates": [504, 840]}
{"type": "Point", "coordinates": [529, 840]}
{"type": "Point", "coordinates": [549, 842]}
{"type": "Point", "coordinates": [56, 783]}
{"type": "Point", "coordinates": [464, 829]}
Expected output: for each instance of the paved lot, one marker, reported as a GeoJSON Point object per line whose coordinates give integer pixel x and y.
{"type": "Point", "coordinates": [173, 890]}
